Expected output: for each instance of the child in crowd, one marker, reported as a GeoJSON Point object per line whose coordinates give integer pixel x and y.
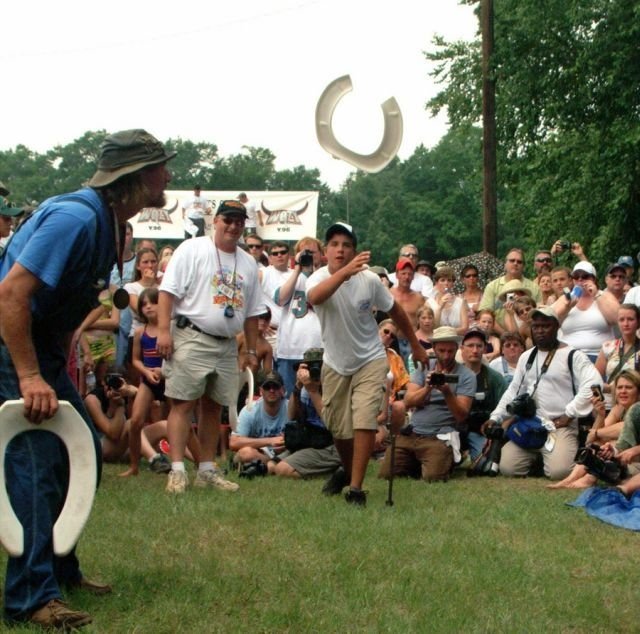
{"type": "Point", "coordinates": [148, 362]}
{"type": "Point", "coordinates": [544, 282]}
{"type": "Point", "coordinates": [264, 351]}
{"type": "Point", "coordinates": [518, 319]}
{"type": "Point", "coordinates": [485, 320]}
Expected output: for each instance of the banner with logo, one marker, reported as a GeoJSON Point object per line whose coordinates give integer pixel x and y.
{"type": "Point", "coordinates": [285, 215]}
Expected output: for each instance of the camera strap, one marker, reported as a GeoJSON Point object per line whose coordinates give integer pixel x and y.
{"type": "Point", "coordinates": [624, 357]}
{"type": "Point", "coordinates": [543, 369]}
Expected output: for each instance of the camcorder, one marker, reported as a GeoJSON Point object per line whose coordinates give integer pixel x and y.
{"type": "Point", "coordinates": [306, 259]}
{"type": "Point", "coordinates": [440, 378]}
{"type": "Point", "coordinates": [114, 381]}
{"type": "Point", "coordinates": [610, 471]}
{"type": "Point", "coordinates": [523, 406]}
{"type": "Point", "coordinates": [314, 367]}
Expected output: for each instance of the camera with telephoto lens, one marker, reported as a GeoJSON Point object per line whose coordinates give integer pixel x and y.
{"type": "Point", "coordinates": [495, 431]}
{"type": "Point", "coordinates": [440, 378]}
{"type": "Point", "coordinates": [114, 381]}
{"type": "Point", "coordinates": [306, 259]}
{"type": "Point", "coordinates": [523, 406]}
{"type": "Point", "coordinates": [611, 471]}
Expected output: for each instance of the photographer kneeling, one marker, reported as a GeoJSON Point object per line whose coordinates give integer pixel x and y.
{"type": "Point", "coordinates": [311, 451]}
{"type": "Point", "coordinates": [539, 412]}
{"type": "Point", "coordinates": [441, 395]}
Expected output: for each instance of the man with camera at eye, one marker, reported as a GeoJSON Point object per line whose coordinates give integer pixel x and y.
{"type": "Point", "coordinates": [309, 445]}
{"type": "Point", "coordinates": [539, 412]}
{"type": "Point", "coordinates": [299, 325]}
{"type": "Point", "coordinates": [108, 405]}
{"type": "Point", "coordinates": [441, 394]}
{"type": "Point", "coordinates": [490, 386]}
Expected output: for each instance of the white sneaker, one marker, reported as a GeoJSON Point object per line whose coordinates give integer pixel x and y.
{"type": "Point", "coordinates": [177, 482]}
{"type": "Point", "coordinates": [213, 478]}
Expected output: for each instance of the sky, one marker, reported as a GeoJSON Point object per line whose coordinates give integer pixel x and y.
{"type": "Point", "coordinates": [235, 73]}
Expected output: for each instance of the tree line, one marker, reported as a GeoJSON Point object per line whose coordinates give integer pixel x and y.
{"type": "Point", "coordinates": [568, 105]}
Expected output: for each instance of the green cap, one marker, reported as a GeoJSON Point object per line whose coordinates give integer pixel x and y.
{"type": "Point", "coordinates": [7, 210]}
{"type": "Point", "coordinates": [313, 354]}
{"type": "Point", "coordinates": [127, 152]}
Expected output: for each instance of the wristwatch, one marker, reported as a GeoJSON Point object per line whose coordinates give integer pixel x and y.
{"type": "Point", "coordinates": [253, 352]}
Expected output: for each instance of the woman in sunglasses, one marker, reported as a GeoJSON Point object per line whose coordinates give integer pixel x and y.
{"type": "Point", "coordinates": [472, 293]}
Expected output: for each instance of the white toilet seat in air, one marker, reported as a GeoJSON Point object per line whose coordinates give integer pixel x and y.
{"type": "Point", "coordinates": [391, 139]}
{"type": "Point", "coordinates": [69, 426]}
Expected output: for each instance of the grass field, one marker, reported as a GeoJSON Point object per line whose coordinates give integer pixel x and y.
{"type": "Point", "coordinates": [472, 555]}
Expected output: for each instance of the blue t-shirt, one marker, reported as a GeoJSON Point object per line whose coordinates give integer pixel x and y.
{"type": "Point", "coordinates": [58, 245]}
{"type": "Point", "coordinates": [435, 417]}
{"type": "Point", "coordinates": [256, 423]}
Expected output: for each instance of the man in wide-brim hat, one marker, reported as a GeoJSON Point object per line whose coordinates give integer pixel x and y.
{"type": "Point", "coordinates": [441, 394]}
{"type": "Point", "coordinates": [51, 273]}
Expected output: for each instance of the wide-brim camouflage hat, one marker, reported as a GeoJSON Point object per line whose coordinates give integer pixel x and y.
{"type": "Point", "coordinates": [127, 152]}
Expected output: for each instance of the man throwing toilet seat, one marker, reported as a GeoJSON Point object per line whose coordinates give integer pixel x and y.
{"type": "Point", "coordinates": [50, 275]}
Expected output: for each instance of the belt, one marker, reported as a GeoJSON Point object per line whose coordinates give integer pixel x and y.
{"type": "Point", "coordinates": [189, 324]}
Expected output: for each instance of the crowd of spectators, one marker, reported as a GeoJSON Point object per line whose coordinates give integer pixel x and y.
{"type": "Point", "coordinates": [558, 336]}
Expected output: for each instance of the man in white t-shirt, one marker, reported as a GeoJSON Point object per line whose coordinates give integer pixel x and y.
{"type": "Point", "coordinates": [194, 210]}
{"type": "Point", "coordinates": [253, 215]}
{"type": "Point", "coordinates": [271, 278]}
{"type": "Point", "coordinates": [299, 326]}
{"type": "Point", "coordinates": [344, 294]}
{"type": "Point", "coordinates": [211, 291]}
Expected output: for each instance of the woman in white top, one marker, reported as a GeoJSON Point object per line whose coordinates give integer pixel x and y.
{"type": "Point", "coordinates": [448, 309]}
{"type": "Point", "coordinates": [588, 321]}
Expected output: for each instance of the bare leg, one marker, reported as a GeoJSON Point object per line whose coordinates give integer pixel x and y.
{"type": "Point", "coordinates": [179, 427]}
{"type": "Point", "coordinates": [363, 443]}
{"type": "Point", "coordinates": [630, 486]}
{"type": "Point", "coordinates": [208, 427]}
{"type": "Point", "coordinates": [345, 450]}
{"type": "Point", "coordinates": [577, 472]}
{"type": "Point", "coordinates": [141, 406]}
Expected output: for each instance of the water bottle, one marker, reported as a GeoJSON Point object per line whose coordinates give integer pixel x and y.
{"type": "Point", "coordinates": [576, 292]}
{"type": "Point", "coordinates": [90, 381]}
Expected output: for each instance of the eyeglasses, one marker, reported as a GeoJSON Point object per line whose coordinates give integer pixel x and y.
{"type": "Point", "coordinates": [547, 260]}
{"type": "Point", "coordinates": [254, 246]}
{"type": "Point", "coordinates": [471, 275]}
{"type": "Point", "coordinates": [271, 387]}
{"type": "Point", "coordinates": [581, 277]}
{"type": "Point", "coordinates": [408, 255]}
{"type": "Point", "coordinates": [515, 261]}
{"type": "Point", "coordinates": [279, 253]}
{"type": "Point", "coordinates": [228, 220]}
{"type": "Point", "coordinates": [386, 331]}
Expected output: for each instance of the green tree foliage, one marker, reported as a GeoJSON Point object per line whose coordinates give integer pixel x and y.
{"type": "Point", "coordinates": [431, 200]}
{"type": "Point", "coordinates": [568, 99]}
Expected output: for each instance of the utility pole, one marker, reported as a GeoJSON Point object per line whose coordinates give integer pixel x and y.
{"type": "Point", "coordinates": [489, 195]}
